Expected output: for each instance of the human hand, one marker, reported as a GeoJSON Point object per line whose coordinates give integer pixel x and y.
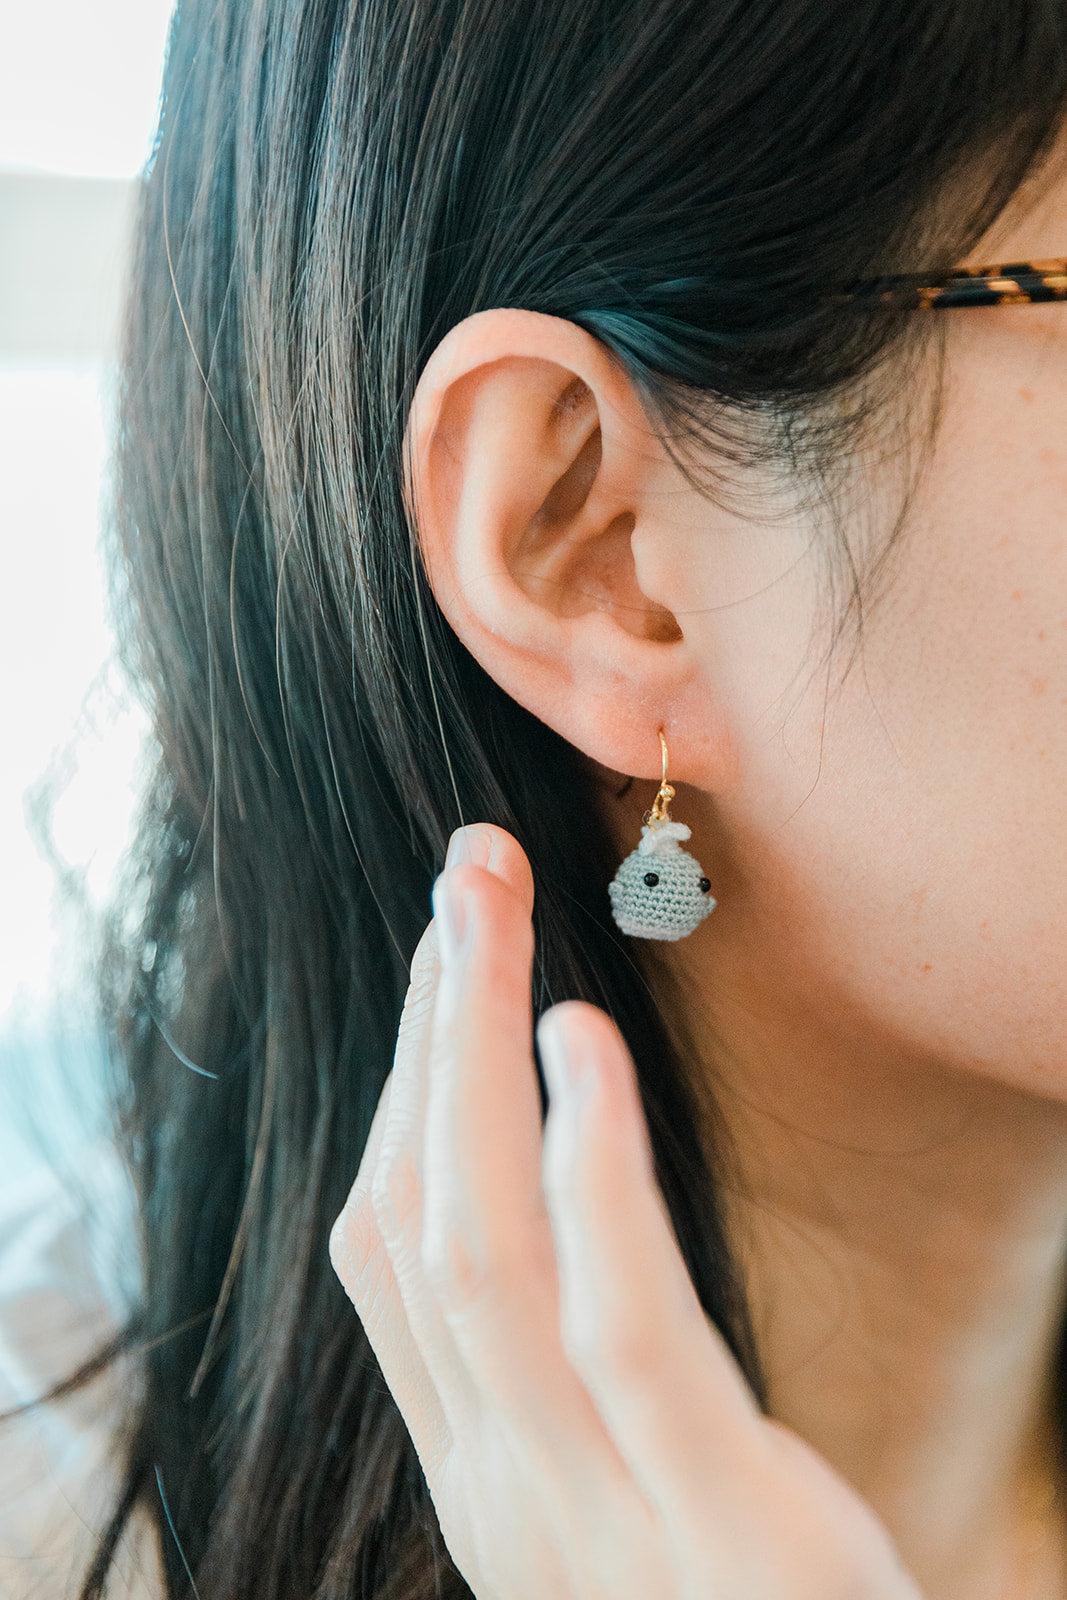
{"type": "Point", "coordinates": [584, 1431]}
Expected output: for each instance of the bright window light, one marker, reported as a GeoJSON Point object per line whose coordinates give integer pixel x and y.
{"type": "Point", "coordinates": [66, 725]}
{"type": "Point", "coordinates": [79, 94]}
{"type": "Point", "coordinates": [79, 84]}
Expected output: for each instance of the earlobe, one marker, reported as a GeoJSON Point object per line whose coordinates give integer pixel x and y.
{"type": "Point", "coordinates": [531, 465]}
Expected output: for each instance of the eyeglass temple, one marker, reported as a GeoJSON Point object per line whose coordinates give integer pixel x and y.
{"type": "Point", "coordinates": [1010, 283]}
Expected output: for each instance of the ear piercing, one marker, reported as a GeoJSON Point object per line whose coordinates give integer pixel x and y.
{"type": "Point", "coordinates": [660, 891]}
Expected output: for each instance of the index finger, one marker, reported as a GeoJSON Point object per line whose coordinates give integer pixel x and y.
{"type": "Point", "coordinates": [484, 844]}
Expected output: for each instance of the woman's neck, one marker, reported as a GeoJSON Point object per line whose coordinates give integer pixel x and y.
{"type": "Point", "coordinates": [903, 1232]}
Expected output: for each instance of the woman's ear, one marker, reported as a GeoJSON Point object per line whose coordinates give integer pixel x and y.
{"type": "Point", "coordinates": [538, 489]}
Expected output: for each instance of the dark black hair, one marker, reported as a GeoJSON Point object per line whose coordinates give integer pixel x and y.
{"type": "Point", "coordinates": [334, 186]}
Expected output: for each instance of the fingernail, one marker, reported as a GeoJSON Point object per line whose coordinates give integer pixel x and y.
{"type": "Point", "coordinates": [567, 1060]}
{"type": "Point", "coordinates": [470, 844]}
{"type": "Point", "coordinates": [450, 913]}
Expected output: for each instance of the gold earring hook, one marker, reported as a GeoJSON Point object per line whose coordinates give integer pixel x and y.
{"type": "Point", "coordinates": [659, 812]}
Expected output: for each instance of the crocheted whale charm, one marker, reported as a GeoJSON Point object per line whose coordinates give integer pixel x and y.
{"type": "Point", "coordinates": [660, 891]}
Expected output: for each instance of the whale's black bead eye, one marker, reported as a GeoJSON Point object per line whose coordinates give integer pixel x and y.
{"type": "Point", "coordinates": [652, 878]}
{"type": "Point", "coordinates": [705, 885]}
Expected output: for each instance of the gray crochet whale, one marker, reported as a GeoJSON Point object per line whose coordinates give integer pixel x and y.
{"type": "Point", "coordinates": [660, 891]}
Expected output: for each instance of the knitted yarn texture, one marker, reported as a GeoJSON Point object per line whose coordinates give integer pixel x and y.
{"type": "Point", "coordinates": [660, 891]}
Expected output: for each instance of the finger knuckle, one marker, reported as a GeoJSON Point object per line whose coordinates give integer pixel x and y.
{"type": "Point", "coordinates": [626, 1350]}
{"type": "Point", "coordinates": [460, 1274]}
{"type": "Point", "coordinates": [396, 1196]}
{"type": "Point", "coordinates": [419, 1000]}
{"type": "Point", "coordinates": [341, 1243]}
{"type": "Point", "coordinates": [354, 1246]}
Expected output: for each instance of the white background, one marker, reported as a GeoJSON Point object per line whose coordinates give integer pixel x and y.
{"type": "Point", "coordinates": [79, 87]}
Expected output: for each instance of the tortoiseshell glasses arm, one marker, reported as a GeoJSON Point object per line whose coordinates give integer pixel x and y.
{"type": "Point", "coordinates": [1015, 283]}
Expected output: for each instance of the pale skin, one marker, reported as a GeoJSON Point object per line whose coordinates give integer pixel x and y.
{"type": "Point", "coordinates": [880, 1000]}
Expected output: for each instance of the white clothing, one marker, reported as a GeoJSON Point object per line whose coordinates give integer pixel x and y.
{"type": "Point", "coordinates": [68, 1274]}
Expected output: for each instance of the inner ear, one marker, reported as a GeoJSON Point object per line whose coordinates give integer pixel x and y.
{"type": "Point", "coordinates": [569, 493]}
{"type": "Point", "coordinates": [565, 560]}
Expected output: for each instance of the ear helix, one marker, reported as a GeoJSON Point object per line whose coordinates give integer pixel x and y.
{"type": "Point", "coordinates": [660, 890]}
